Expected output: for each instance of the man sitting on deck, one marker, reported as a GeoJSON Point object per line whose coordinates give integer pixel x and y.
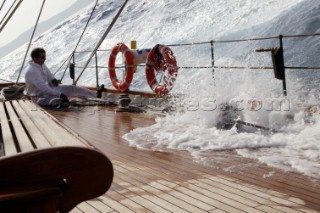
{"type": "Point", "coordinates": [44, 87]}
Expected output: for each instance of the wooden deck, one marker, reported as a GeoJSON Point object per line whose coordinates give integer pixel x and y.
{"type": "Point", "coordinates": [173, 181]}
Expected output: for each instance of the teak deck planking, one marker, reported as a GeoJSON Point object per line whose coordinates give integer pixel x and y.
{"type": "Point", "coordinates": [172, 181]}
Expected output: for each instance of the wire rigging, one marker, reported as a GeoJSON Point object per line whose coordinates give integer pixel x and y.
{"type": "Point", "coordinates": [85, 28]}
{"type": "Point", "coordinates": [8, 11]}
{"type": "Point", "coordinates": [101, 40]}
{"type": "Point", "coordinates": [34, 30]}
{"type": "Point", "coordinates": [2, 5]}
{"type": "Point", "coordinates": [11, 14]}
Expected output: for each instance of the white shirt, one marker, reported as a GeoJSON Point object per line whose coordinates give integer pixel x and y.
{"type": "Point", "coordinates": [38, 81]}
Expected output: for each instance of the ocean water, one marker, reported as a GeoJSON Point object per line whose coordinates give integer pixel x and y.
{"type": "Point", "coordinates": [202, 94]}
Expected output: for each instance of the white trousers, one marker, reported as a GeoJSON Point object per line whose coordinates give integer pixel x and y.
{"type": "Point", "coordinates": [68, 90]}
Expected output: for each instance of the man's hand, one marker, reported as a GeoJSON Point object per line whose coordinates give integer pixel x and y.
{"type": "Point", "coordinates": [55, 82]}
{"type": "Point", "coordinates": [64, 98]}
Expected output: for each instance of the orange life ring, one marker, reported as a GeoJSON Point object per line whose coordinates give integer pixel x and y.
{"type": "Point", "coordinates": [129, 60]}
{"type": "Point", "coordinates": [161, 58]}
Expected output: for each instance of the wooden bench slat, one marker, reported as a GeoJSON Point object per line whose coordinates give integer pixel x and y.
{"type": "Point", "coordinates": [65, 136]}
{"type": "Point", "coordinates": [25, 143]}
{"type": "Point", "coordinates": [56, 135]}
{"type": "Point", "coordinates": [8, 141]}
{"type": "Point", "coordinates": [40, 123]}
{"type": "Point", "coordinates": [39, 139]}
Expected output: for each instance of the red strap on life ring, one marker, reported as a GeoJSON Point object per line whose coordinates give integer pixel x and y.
{"type": "Point", "coordinates": [161, 59]}
{"type": "Point", "coordinates": [129, 60]}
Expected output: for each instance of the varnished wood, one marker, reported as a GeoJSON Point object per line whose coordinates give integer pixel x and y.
{"type": "Point", "coordinates": [46, 125]}
{"type": "Point", "coordinates": [171, 180]}
{"type": "Point", "coordinates": [21, 135]}
{"type": "Point", "coordinates": [38, 137]}
{"type": "Point", "coordinates": [57, 178]}
{"type": "Point", "coordinates": [85, 173]}
{"type": "Point", "coordinates": [8, 140]}
{"type": "Point", "coordinates": [30, 198]}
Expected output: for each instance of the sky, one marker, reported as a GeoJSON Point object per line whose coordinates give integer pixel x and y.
{"type": "Point", "coordinates": [26, 15]}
